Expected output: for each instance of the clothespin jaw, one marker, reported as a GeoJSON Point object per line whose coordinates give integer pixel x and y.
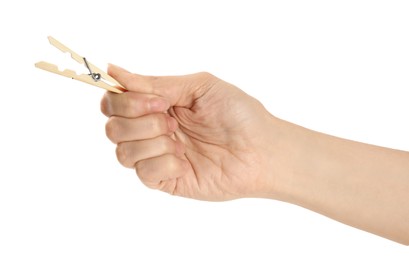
{"type": "Point", "coordinates": [96, 76]}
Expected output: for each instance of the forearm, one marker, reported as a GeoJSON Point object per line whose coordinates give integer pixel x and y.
{"type": "Point", "coordinates": [361, 185]}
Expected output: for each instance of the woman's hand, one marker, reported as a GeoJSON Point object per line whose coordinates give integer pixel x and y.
{"type": "Point", "coordinates": [194, 136]}
{"type": "Point", "coordinates": [200, 137]}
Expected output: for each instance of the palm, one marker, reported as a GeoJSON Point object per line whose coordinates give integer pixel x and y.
{"type": "Point", "coordinates": [219, 134]}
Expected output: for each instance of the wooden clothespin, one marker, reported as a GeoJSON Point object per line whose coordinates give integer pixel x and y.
{"type": "Point", "coordinates": [96, 76]}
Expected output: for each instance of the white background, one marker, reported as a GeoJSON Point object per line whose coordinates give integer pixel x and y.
{"type": "Point", "coordinates": [340, 67]}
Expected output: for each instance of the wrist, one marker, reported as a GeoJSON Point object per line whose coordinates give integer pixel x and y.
{"type": "Point", "coordinates": [290, 155]}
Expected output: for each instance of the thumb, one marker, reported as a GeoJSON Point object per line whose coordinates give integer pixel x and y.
{"type": "Point", "coordinates": [179, 90]}
{"type": "Point", "coordinates": [130, 81]}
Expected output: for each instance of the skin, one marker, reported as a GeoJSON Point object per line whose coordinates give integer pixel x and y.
{"type": "Point", "coordinates": [199, 137]}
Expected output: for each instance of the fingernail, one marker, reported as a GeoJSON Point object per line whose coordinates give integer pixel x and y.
{"type": "Point", "coordinates": [158, 104]}
{"type": "Point", "coordinates": [113, 65]}
{"type": "Point", "coordinates": [110, 68]}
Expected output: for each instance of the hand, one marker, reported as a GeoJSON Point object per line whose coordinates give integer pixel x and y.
{"type": "Point", "coordinates": [212, 144]}
{"type": "Point", "coordinates": [200, 137]}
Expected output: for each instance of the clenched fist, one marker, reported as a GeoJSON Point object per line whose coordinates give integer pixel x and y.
{"type": "Point", "coordinates": [194, 136]}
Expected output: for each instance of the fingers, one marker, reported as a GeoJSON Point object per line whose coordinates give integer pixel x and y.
{"type": "Point", "coordinates": [120, 129]}
{"type": "Point", "coordinates": [141, 129]}
{"type": "Point", "coordinates": [132, 104]}
{"type": "Point", "coordinates": [129, 153]}
{"type": "Point", "coordinates": [154, 171]}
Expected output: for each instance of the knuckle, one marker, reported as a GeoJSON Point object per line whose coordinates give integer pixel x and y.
{"type": "Point", "coordinates": [111, 129]}
{"type": "Point", "coordinates": [105, 108]}
{"type": "Point", "coordinates": [144, 175]}
{"type": "Point", "coordinates": [207, 79]}
{"type": "Point", "coordinates": [139, 168]}
{"type": "Point", "coordinates": [206, 75]}
{"type": "Point", "coordinates": [123, 155]}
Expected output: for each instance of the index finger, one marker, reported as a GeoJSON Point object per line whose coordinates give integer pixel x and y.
{"type": "Point", "coordinates": [131, 104]}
